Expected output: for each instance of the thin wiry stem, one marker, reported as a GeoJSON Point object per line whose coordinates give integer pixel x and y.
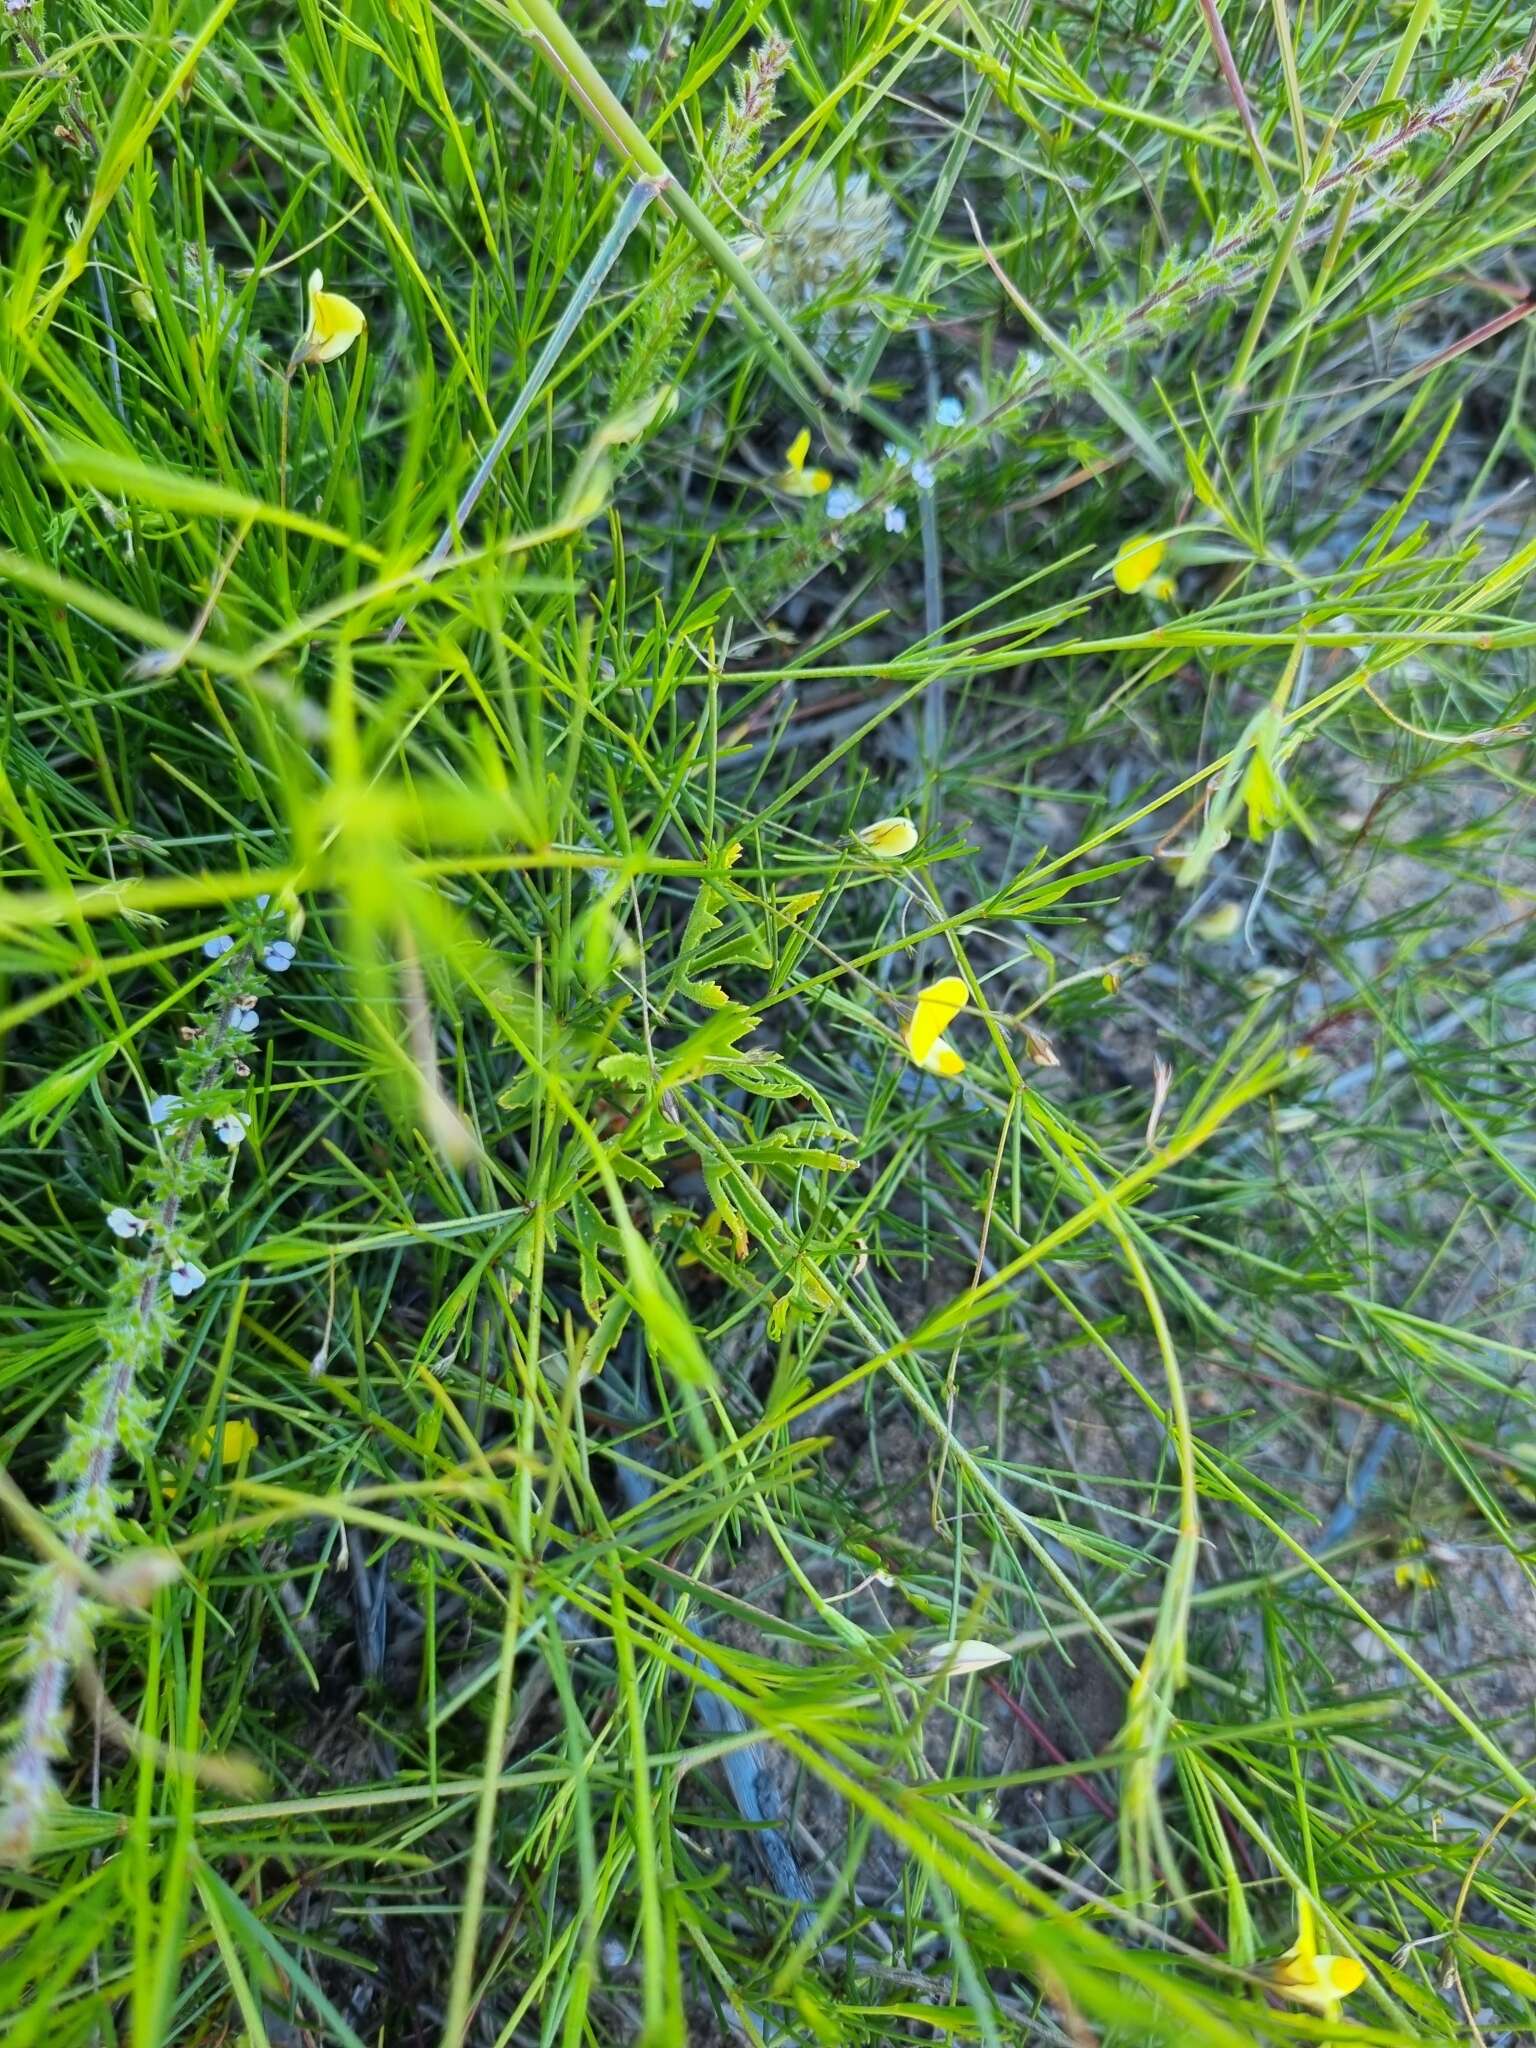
{"type": "Point", "coordinates": [636, 200]}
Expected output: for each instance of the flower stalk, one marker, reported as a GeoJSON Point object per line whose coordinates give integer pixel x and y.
{"type": "Point", "coordinates": [116, 1412]}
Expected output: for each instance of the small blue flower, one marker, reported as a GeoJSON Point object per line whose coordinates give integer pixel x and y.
{"type": "Point", "coordinates": [900, 456]}
{"type": "Point", "coordinates": [123, 1223]}
{"type": "Point", "coordinates": [238, 1019]}
{"type": "Point", "coordinates": [231, 1127]}
{"type": "Point", "coordinates": [216, 947]}
{"type": "Point", "coordinates": [163, 1108]}
{"type": "Point", "coordinates": [186, 1279]}
{"type": "Point", "coordinates": [895, 519]}
{"type": "Point", "coordinates": [949, 412]}
{"type": "Point", "coordinates": [278, 957]}
{"type": "Point", "coordinates": [842, 502]}
{"type": "Point", "coordinates": [262, 901]}
{"type": "Point", "coordinates": [922, 474]}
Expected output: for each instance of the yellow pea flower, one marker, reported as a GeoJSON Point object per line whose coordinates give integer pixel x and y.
{"type": "Point", "coordinates": [1415, 1569]}
{"type": "Point", "coordinates": [236, 1440]}
{"type": "Point", "coordinates": [1317, 1980]}
{"type": "Point", "coordinates": [334, 324]}
{"type": "Point", "coordinates": [888, 838]}
{"type": "Point", "coordinates": [1309, 1977]}
{"type": "Point", "coordinates": [795, 480]}
{"type": "Point", "coordinates": [935, 1010]}
{"type": "Point", "coordinates": [1137, 566]}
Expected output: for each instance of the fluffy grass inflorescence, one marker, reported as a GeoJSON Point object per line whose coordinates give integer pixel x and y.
{"type": "Point", "coordinates": [854, 1363]}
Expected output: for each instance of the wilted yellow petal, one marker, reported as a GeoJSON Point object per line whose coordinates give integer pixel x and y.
{"type": "Point", "coordinates": [589, 494]}
{"type": "Point", "coordinates": [959, 1659]}
{"type": "Point", "coordinates": [135, 1579]}
{"type": "Point", "coordinates": [798, 449]}
{"type": "Point", "coordinates": [629, 425]}
{"type": "Point", "coordinates": [1040, 1049]}
{"type": "Point", "coordinates": [1219, 924]}
{"type": "Point", "coordinates": [1138, 562]}
{"type": "Point", "coordinates": [334, 324]}
{"type": "Point", "coordinates": [935, 1009]}
{"type": "Point", "coordinates": [888, 838]}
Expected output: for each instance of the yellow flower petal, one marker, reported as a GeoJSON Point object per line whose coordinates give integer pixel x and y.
{"type": "Point", "coordinates": [236, 1440]}
{"type": "Point", "coordinates": [795, 480]}
{"type": "Point", "coordinates": [334, 324]}
{"type": "Point", "coordinates": [935, 1009]}
{"type": "Point", "coordinates": [888, 838]}
{"type": "Point", "coordinates": [942, 1059]}
{"type": "Point", "coordinates": [1138, 562]}
{"type": "Point", "coordinates": [1317, 1980]}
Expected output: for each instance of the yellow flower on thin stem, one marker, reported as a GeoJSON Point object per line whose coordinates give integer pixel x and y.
{"type": "Point", "coordinates": [795, 480]}
{"type": "Point", "coordinates": [888, 838]}
{"type": "Point", "coordinates": [1415, 1568]}
{"type": "Point", "coordinates": [1137, 565]}
{"type": "Point", "coordinates": [334, 324]}
{"type": "Point", "coordinates": [1308, 1976]}
{"type": "Point", "coordinates": [236, 1440]}
{"type": "Point", "coordinates": [935, 1010]}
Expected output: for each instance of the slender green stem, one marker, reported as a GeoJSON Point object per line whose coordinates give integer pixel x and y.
{"type": "Point", "coordinates": [636, 200]}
